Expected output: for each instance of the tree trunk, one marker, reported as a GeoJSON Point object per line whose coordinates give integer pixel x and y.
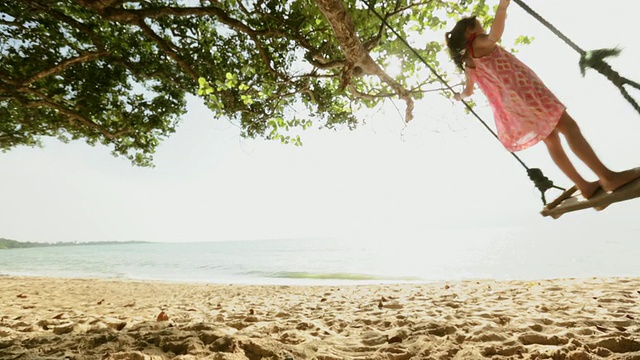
{"type": "Point", "coordinates": [355, 52]}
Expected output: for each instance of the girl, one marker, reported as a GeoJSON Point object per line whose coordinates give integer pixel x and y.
{"type": "Point", "coordinates": [525, 111]}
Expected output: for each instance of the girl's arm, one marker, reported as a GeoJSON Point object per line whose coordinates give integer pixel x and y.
{"type": "Point", "coordinates": [468, 87]}
{"type": "Point", "coordinates": [498, 22]}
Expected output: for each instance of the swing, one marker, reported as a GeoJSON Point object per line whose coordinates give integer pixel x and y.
{"type": "Point", "coordinates": [568, 201]}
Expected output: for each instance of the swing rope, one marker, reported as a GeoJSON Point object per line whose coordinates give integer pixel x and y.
{"type": "Point", "coordinates": [591, 59]}
{"type": "Point", "coordinates": [540, 181]}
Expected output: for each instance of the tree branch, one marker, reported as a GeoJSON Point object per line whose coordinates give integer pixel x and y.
{"type": "Point", "coordinates": [72, 115]}
{"type": "Point", "coordinates": [63, 65]}
{"type": "Point", "coordinates": [323, 64]}
{"type": "Point", "coordinates": [162, 43]}
{"type": "Point", "coordinates": [382, 95]}
{"type": "Point", "coordinates": [17, 24]}
{"type": "Point", "coordinates": [400, 9]}
{"type": "Point", "coordinates": [137, 16]}
{"type": "Point", "coordinates": [133, 15]}
{"type": "Point", "coordinates": [46, 9]}
{"type": "Point", "coordinates": [266, 58]}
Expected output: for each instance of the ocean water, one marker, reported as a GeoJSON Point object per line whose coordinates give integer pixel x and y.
{"type": "Point", "coordinates": [504, 255]}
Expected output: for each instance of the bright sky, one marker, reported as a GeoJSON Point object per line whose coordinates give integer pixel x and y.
{"type": "Point", "coordinates": [383, 181]}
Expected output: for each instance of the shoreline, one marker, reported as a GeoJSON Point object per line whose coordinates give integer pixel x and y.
{"type": "Point", "coordinates": [54, 318]}
{"type": "Point", "coordinates": [310, 281]}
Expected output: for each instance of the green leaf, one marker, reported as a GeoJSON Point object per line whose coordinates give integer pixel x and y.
{"type": "Point", "coordinates": [135, 96]}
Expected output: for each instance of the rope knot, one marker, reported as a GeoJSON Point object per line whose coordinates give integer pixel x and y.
{"type": "Point", "coordinates": [596, 60]}
{"type": "Point", "coordinates": [541, 182]}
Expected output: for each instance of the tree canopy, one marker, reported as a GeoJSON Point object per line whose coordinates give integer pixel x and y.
{"type": "Point", "coordinates": [117, 72]}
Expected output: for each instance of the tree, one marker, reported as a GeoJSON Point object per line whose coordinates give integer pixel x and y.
{"type": "Point", "coordinates": [117, 72]}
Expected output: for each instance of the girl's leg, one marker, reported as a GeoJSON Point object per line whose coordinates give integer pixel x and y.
{"type": "Point", "coordinates": [587, 189]}
{"type": "Point", "coordinates": [609, 180]}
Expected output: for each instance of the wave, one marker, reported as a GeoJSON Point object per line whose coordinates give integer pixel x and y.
{"type": "Point", "coordinates": [334, 276]}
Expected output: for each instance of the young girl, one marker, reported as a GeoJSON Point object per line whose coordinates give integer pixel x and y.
{"type": "Point", "coordinates": [525, 111]}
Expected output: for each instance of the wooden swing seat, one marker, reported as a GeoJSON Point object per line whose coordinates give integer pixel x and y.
{"type": "Point", "coordinates": [570, 201]}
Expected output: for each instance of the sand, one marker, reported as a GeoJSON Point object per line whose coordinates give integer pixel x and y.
{"type": "Point", "coordinates": [53, 318]}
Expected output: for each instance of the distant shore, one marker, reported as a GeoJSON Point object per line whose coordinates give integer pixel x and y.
{"type": "Point", "coordinates": [115, 319]}
{"type": "Point", "coordinates": [14, 244]}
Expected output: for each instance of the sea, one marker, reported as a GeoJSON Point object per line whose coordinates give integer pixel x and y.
{"type": "Point", "coordinates": [442, 257]}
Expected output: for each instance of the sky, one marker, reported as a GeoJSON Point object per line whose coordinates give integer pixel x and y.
{"type": "Point", "coordinates": [442, 172]}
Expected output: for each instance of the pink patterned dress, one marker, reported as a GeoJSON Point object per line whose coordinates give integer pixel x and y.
{"type": "Point", "coordinates": [525, 110]}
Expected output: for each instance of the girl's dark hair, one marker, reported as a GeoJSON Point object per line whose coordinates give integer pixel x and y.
{"type": "Point", "coordinates": [457, 43]}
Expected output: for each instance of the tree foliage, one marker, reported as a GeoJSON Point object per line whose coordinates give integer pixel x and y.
{"type": "Point", "coordinates": [117, 72]}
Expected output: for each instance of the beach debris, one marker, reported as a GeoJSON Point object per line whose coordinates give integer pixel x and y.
{"type": "Point", "coordinates": [323, 299]}
{"type": "Point", "coordinates": [59, 316]}
{"type": "Point", "coordinates": [251, 312]}
{"type": "Point", "coordinates": [380, 305]}
{"type": "Point", "coordinates": [162, 316]}
{"type": "Point", "coordinates": [100, 302]}
{"type": "Point", "coordinates": [131, 304]}
{"type": "Point", "coordinates": [630, 317]}
{"type": "Point", "coordinates": [22, 296]}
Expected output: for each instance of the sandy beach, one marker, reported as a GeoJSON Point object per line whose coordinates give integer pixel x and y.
{"type": "Point", "coordinates": [53, 318]}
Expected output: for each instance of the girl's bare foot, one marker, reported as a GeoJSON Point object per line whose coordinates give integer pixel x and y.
{"type": "Point", "coordinates": [589, 189]}
{"type": "Point", "coordinates": [619, 179]}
